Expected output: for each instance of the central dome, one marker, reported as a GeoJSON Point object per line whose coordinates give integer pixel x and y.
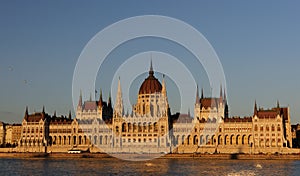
{"type": "Point", "coordinates": [151, 84]}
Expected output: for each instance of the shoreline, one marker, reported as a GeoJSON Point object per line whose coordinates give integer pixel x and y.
{"type": "Point", "coordinates": [167, 156]}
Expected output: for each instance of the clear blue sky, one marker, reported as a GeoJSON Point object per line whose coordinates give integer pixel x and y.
{"type": "Point", "coordinates": [258, 43]}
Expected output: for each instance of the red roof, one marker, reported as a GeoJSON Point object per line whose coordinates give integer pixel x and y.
{"type": "Point", "coordinates": [150, 85]}
{"type": "Point", "coordinates": [36, 117]}
{"type": "Point", "coordinates": [267, 114]}
{"type": "Point", "coordinates": [184, 118]}
{"type": "Point", "coordinates": [90, 105]}
{"type": "Point", "coordinates": [210, 102]}
{"type": "Point", "coordinates": [272, 113]}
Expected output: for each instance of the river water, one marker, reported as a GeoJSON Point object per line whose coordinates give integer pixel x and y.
{"type": "Point", "coordinates": [112, 166]}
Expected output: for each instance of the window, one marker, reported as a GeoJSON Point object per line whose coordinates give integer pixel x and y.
{"type": "Point", "coordinates": [273, 128]}
{"type": "Point", "coordinates": [261, 128]}
{"type": "Point", "coordinates": [162, 128]}
{"type": "Point", "coordinates": [278, 128]}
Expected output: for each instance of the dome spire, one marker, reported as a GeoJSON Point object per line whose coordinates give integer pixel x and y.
{"type": "Point", "coordinates": [151, 72]}
{"type": "Point", "coordinates": [151, 84]}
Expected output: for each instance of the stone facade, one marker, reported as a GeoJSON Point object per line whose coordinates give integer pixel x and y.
{"type": "Point", "coordinates": [9, 134]}
{"type": "Point", "coordinates": [16, 133]}
{"type": "Point", "coordinates": [150, 128]}
{"type": "Point", "coordinates": [146, 129]}
{"type": "Point", "coordinates": [35, 132]}
{"type": "Point", "coordinates": [267, 131]}
{"type": "Point", "coordinates": [2, 133]}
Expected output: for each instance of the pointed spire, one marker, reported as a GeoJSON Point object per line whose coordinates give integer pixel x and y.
{"type": "Point", "coordinates": [70, 115]}
{"type": "Point", "coordinates": [278, 104]}
{"type": "Point", "coordinates": [221, 94]}
{"type": "Point", "coordinates": [100, 103]}
{"type": "Point", "coordinates": [54, 115]}
{"type": "Point", "coordinates": [197, 95]}
{"type": "Point", "coordinates": [221, 91]}
{"type": "Point", "coordinates": [26, 114]}
{"type": "Point", "coordinates": [226, 111]}
{"type": "Point", "coordinates": [26, 111]}
{"type": "Point", "coordinates": [151, 67]}
{"type": "Point", "coordinates": [225, 98]}
{"type": "Point", "coordinates": [164, 90]}
{"type": "Point", "coordinates": [119, 87]}
{"type": "Point", "coordinates": [118, 107]}
{"type": "Point", "coordinates": [80, 99]}
{"type": "Point", "coordinates": [151, 72]}
{"type": "Point", "coordinates": [109, 100]}
{"type": "Point", "coordinates": [202, 94]}
{"type": "Point", "coordinates": [132, 108]}
{"type": "Point", "coordinates": [43, 111]}
{"type": "Point", "coordinates": [255, 108]}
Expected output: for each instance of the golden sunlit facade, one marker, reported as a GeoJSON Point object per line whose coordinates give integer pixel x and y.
{"type": "Point", "coordinates": [150, 127]}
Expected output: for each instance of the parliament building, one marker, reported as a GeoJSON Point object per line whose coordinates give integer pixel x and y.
{"type": "Point", "coordinates": [100, 126]}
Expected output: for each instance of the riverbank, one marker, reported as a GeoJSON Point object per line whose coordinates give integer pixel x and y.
{"type": "Point", "coordinates": [175, 156]}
